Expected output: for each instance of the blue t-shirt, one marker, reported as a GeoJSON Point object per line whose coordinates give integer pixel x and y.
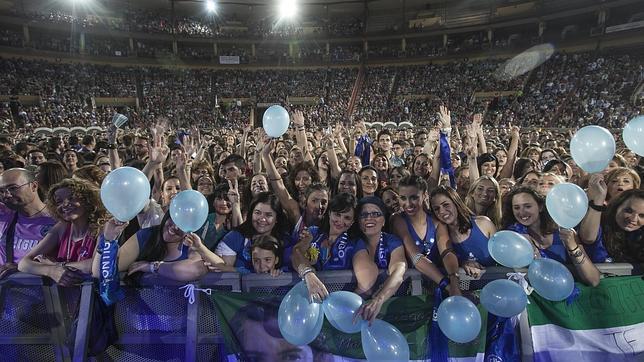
{"type": "Point", "coordinates": [209, 234]}
{"type": "Point", "coordinates": [427, 245]}
{"type": "Point", "coordinates": [597, 251]}
{"type": "Point", "coordinates": [143, 236]}
{"type": "Point", "coordinates": [338, 257]}
{"type": "Point", "coordinates": [387, 244]}
{"type": "Point", "coordinates": [235, 244]}
{"type": "Point", "coordinates": [474, 248]}
{"type": "Point", "coordinates": [556, 251]}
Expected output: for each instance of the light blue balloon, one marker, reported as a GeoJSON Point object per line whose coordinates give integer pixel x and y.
{"type": "Point", "coordinates": [339, 309]}
{"type": "Point", "coordinates": [275, 121]}
{"type": "Point", "coordinates": [125, 192]}
{"type": "Point", "coordinates": [633, 135]}
{"type": "Point", "coordinates": [592, 148]}
{"type": "Point", "coordinates": [189, 210]}
{"type": "Point", "coordinates": [510, 249]}
{"type": "Point", "coordinates": [504, 298]}
{"type": "Point", "coordinates": [383, 342]}
{"type": "Point", "coordinates": [567, 204]}
{"type": "Point", "coordinates": [299, 320]}
{"type": "Point", "coordinates": [551, 279]}
{"type": "Point", "coordinates": [459, 319]}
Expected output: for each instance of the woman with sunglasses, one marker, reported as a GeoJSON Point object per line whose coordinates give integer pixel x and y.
{"type": "Point", "coordinates": [374, 250]}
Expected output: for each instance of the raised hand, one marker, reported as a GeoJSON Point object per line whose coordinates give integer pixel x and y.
{"type": "Point", "coordinates": [298, 118]}
{"type": "Point", "coordinates": [233, 192]}
{"type": "Point", "coordinates": [113, 229]}
{"type": "Point", "coordinates": [597, 189]}
{"type": "Point", "coordinates": [477, 120]}
{"type": "Point", "coordinates": [445, 117]}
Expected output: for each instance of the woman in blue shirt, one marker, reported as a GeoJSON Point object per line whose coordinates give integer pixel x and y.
{"type": "Point", "coordinates": [419, 231]}
{"type": "Point", "coordinates": [375, 250]}
{"type": "Point", "coordinates": [326, 247]}
{"type": "Point", "coordinates": [468, 234]}
{"type": "Point", "coordinates": [525, 212]}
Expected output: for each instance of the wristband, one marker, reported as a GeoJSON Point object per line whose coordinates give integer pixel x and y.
{"type": "Point", "coordinates": [592, 205]}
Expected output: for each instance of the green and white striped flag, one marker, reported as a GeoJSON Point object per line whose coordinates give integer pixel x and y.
{"type": "Point", "coordinates": [606, 323]}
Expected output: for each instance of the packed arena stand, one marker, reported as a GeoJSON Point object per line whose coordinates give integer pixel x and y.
{"type": "Point", "coordinates": [398, 164]}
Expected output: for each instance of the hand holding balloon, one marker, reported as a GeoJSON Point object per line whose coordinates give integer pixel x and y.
{"type": "Point", "coordinates": [597, 189]}
{"type": "Point", "coordinates": [113, 229]}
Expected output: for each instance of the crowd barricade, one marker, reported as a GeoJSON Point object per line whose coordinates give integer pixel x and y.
{"type": "Point", "coordinates": [157, 322]}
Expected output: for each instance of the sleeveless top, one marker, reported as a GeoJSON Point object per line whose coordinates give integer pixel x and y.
{"type": "Point", "coordinates": [75, 250]}
{"type": "Point", "coordinates": [338, 257]}
{"type": "Point", "coordinates": [556, 251]}
{"type": "Point", "coordinates": [474, 248]}
{"type": "Point", "coordinates": [427, 245]}
{"type": "Point", "coordinates": [386, 245]}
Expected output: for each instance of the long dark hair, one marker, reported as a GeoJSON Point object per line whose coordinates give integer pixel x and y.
{"type": "Point", "coordinates": [616, 239]}
{"type": "Point", "coordinates": [464, 214]}
{"type": "Point", "coordinates": [154, 248]}
{"type": "Point", "coordinates": [304, 166]}
{"type": "Point", "coordinates": [281, 227]}
{"type": "Point", "coordinates": [547, 224]}
{"type": "Point", "coordinates": [356, 179]}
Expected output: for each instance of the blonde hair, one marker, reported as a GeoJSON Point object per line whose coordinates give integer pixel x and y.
{"type": "Point", "coordinates": [493, 211]}
{"type": "Point", "coordinates": [620, 171]}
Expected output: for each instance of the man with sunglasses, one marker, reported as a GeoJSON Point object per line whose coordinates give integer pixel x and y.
{"type": "Point", "coordinates": [24, 218]}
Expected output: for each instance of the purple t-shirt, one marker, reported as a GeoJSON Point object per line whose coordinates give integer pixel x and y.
{"type": "Point", "coordinates": [29, 231]}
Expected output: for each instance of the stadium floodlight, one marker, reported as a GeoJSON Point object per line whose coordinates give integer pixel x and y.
{"type": "Point", "coordinates": [287, 8]}
{"type": "Point", "coordinates": [210, 6]}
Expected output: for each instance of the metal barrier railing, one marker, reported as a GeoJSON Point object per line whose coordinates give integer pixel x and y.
{"type": "Point", "coordinates": [156, 322]}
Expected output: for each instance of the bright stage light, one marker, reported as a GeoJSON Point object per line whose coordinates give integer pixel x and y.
{"type": "Point", "coordinates": [287, 8]}
{"type": "Point", "coordinates": [210, 6]}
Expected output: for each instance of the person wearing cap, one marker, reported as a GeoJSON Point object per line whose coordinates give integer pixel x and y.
{"type": "Point", "coordinates": [374, 250]}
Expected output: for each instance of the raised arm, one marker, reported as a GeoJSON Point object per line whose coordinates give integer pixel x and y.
{"type": "Point", "coordinates": [477, 122]}
{"type": "Point", "coordinates": [589, 227]}
{"type": "Point", "coordinates": [470, 150]}
{"type": "Point", "coordinates": [112, 152]}
{"type": "Point", "coordinates": [247, 129]}
{"type": "Point", "coordinates": [288, 203]}
{"type": "Point", "coordinates": [334, 164]}
{"type": "Point", "coordinates": [183, 167]}
{"type": "Point", "coordinates": [508, 169]}
{"type": "Point", "coordinates": [300, 135]}
{"type": "Point", "coordinates": [587, 271]}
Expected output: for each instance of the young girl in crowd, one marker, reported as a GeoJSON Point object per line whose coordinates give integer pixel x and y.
{"type": "Point", "coordinates": [65, 253]}
{"type": "Point", "coordinates": [264, 217]}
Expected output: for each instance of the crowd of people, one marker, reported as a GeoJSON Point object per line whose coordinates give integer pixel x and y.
{"type": "Point", "coordinates": [317, 198]}
{"type": "Point", "coordinates": [207, 26]}
{"type": "Point", "coordinates": [568, 90]}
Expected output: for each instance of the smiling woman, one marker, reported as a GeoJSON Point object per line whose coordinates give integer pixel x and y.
{"type": "Point", "coordinates": [77, 207]}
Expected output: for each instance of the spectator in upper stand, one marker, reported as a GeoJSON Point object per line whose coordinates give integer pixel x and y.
{"type": "Point", "coordinates": [24, 218]}
{"type": "Point", "coordinates": [140, 148]}
{"type": "Point", "coordinates": [71, 161]}
{"type": "Point", "coordinates": [88, 145]}
{"type": "Point", "coordinates": [36, 156]}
